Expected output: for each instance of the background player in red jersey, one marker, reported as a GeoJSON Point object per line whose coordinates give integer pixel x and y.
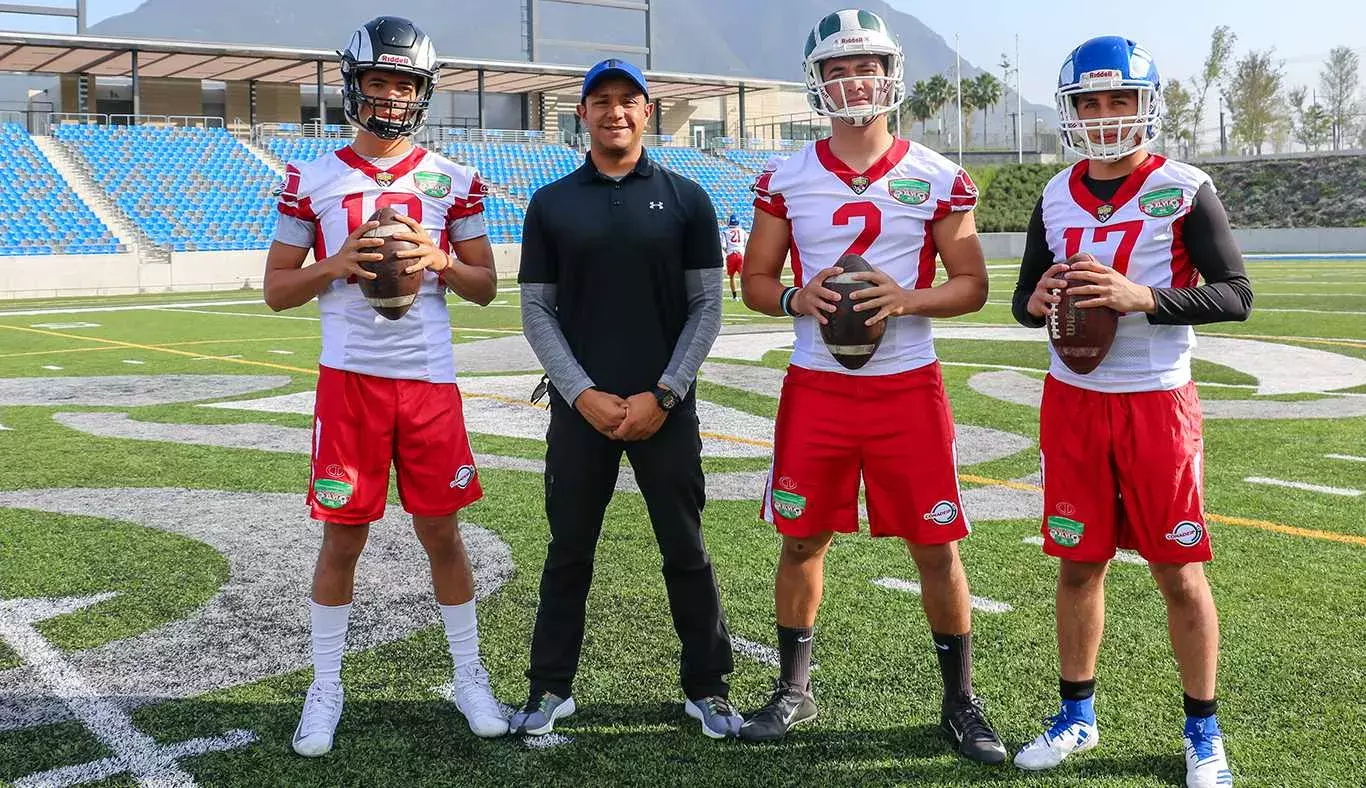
{"type": "Point", "coordinates": [386, 389]}
{"type": "Point", "coordinates": [1121, 447]}
{"type": "Point", "coordinates": [898, 205]}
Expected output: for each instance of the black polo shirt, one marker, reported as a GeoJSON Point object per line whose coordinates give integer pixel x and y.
{"type": "Point", "coordinates": [616, 252]}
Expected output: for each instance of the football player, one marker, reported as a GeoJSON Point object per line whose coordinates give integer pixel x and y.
{"type": "Point", "coordinates": [900, 206]}
{"type": "Point", "coordinates": [734, 239]}
{"type": "Point", "coordinates": [386, 389]}
{"type": "Point", "coordinates": [1121, 450]}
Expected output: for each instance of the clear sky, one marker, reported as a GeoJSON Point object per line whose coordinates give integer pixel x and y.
{"type": "Point", "coordinates": [1177, 33]}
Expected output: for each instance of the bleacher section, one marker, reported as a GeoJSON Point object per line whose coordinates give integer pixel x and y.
{"type": "Point", "coordinates": [289, 149]}
{"type": "Point", "coordinates": [753, 160]}
{"type": "Point", "coordinates": [42, 214]}
{"type": "Point", "coordinates": [193, 189]}
{"type": "Point", "coordinates": [727, 185]}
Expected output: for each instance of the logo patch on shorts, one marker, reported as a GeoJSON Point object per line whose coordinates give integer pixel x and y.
{"type": "Point", "coordinates": [1186, 533]}
{"type": "Point", "coordinates": [463, 477]}
{"type": "Point", "coordinates": [1066, 509]}
{"type": "Point", "coordinates": [788, 504]}
{"type": "Point", "coordinates": [335, 471]}
{"type": "Point", "coordinates": [943, 513]}
{"type": "Point", "coordinates": [1065, 532]}
{"type": "Point", "coordinates": [332, 493]}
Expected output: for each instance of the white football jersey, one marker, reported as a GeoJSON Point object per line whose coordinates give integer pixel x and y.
{"type": "Point", "coordinates": [337, 192]}
{"type": "Point", "coordinates": [735, 239]}
{"type": "Point", "coordinates": [884, 215]}
{"type": "Point", "coordinates": [1137, 232]}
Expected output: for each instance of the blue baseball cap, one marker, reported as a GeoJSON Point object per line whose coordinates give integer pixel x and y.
{"type": "Point", "coordinates": [612, 67]}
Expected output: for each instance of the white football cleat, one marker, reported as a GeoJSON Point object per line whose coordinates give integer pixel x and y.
{"type": "Point", "coordinates": [475, 700]}
{"type": "Point", "coordinates": [318, 723]}
{"type": "Point", "coordinates": [1064, 737]}
{"type": "Point", "coordinates": [1206, 764]}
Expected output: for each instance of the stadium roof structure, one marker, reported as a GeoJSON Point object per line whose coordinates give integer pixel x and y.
{"type": "Point", "coordinates": [134, 58]}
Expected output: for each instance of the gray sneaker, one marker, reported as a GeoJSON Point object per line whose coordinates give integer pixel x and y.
{"type": "Point", "coordinates": [538, 716]}
{"type": "Point", "coordinates": [719, 719]}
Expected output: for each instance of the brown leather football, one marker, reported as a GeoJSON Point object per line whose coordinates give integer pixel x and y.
{"type": "Point", "coordinates": [1081, 337]}
{"type": "Point", "coordinates": [391, 292]}
{"type": "Point", "coordinates": [850, 341]}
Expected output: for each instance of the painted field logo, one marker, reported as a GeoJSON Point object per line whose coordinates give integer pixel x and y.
{"type": "Point", "coordinates": [1162, 203]}
{"type": "Point", "coordinates": [943, 513]}
{"type": "Point", "coordinates": [331, 493]}
{"type": "Point", "coordinates": [1065, 532]}
{"type": "Point", "coordinates": [789, 505]}
{"type": "Point", "coordinates": [1186, 534]}
{"type": "Point", "coordinates": [911, 191]}
{"type": "Point", "coordinates": [433, 184]}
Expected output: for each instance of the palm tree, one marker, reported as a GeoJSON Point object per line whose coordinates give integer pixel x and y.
{"type": "Point", "coordinates": [917, 106]}
{"type": "Point", "coordinates": [938, 91]}
{"type": "Point", "coordinates": [986, 94]}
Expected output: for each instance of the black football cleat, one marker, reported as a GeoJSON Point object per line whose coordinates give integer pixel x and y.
{"type": "Point", "coordinates": [789, 705]}
{"type": "Point", "coordinates": [964, 719]}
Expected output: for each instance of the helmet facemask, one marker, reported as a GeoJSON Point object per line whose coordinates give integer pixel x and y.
{"type": "Point", "coordinates": [408, 116]}
{"type": "Point", "coordinates": [886, 92]}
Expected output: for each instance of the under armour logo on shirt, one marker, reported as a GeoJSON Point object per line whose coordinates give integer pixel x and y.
{"type": "Point", "coordinates": [656, 206]}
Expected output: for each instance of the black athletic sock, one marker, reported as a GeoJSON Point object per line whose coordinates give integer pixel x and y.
{"type": "Point", "coordinates": [1200, 708]}
{"type": "Point", "coordinates": [794, 654]}
{"type": "Point", "coordinates": [1076, 690]}
{"type": "Point", "coordinates": [955, 663]}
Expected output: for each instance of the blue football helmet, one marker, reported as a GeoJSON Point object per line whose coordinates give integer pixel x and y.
{"type": "Point", "coordinates": [733, 221]}
{"type": "Point", "coordinates": [1109, 63]}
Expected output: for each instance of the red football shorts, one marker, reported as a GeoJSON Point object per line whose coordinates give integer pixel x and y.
{"type": "Point", "coordinates": [896, 431]}
{"type": "Point", "coordinates": [363, 423]}
{"type": "Point", "coordinates": [1122, 470]}
{"type": "Point", "coordinates": [734, 262]}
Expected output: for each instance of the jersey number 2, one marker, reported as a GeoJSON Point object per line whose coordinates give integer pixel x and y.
{"type": "Point", "coordinates": [872, 224]}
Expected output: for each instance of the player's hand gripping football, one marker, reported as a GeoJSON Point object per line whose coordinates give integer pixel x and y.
{"type": "Point", "coordinates": [1109, 288]}
{"type": "Point", "coordinates": [644, 417]}
{"type": "Point", "coordinates": [426, 255]}
{"type": "Point", "coordinates": [1043, 299]}
{"type": "Point", "coordinates": [815, 299]}
{"type": "Point", "coordinates": [346, 262]}
{"type": "Point", "coordinates": [886, 296]}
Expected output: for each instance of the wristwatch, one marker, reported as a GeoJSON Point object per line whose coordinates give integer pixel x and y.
{"type": "Point", "coordinates": [667, 399]}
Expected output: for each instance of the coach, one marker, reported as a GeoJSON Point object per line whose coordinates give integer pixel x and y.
{"type": "Point", "coordinates": [621, 300]}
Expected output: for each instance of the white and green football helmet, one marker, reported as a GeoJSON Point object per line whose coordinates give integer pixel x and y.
{"type": "Point", "coordinates": [853, 32]}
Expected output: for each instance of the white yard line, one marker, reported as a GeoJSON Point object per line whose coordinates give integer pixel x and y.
{"type": "Point", "coordinates": [1345, 457]}
{"type": "Point", "coordinates": [1318, 488]}
{"type": "Point", "coordinates": [912, 587]}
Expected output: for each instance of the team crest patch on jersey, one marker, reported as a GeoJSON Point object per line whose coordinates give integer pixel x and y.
{"type": "Point", "coordinates": [433, 184]}
{"type": "Point", "coordinates": [1162, 203]}
{"type": "Point", "coordinates": [1186, 534]}
{"type": "Point", "coordinates": [1065, 532]}
{"type": "Point", "coordinates": [385, 179]}
{"type": "Point", "coordinates": [1104, 211]}
{"type": "Point", "coordinates": [911, 191]}
{"type": "Point", "coordinates": [859, 183]}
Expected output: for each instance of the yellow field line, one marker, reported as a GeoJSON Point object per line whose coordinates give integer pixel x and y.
{"type": "Point", "coordinates": [159, 347]}
{"type": "Point", "coordinates": [1264, 525]}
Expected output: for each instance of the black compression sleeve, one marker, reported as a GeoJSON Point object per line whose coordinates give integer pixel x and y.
{"type": "Point", "coordinates": [1227, 292]}
{"type": "Point", "coordinates": [1037, 258]}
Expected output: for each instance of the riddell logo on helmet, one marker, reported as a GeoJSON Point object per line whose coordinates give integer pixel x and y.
{"type": "Point", "coordinates": [400, 60]}
{"type": "Point", "coordinates": [1105, 73]}
{"type": "Point", "coordinates": [847, 40]}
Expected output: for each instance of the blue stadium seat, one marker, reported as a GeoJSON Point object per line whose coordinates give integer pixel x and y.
{"type": "Point", "coordinates": [195, 189]}
{"type": "Point", "coordinates": [43, 214]}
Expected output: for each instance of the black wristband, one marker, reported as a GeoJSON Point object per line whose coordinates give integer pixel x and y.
{"type": "Point", "coordinates": [785, 301]}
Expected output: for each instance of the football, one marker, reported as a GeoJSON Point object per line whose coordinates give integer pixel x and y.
{"type": "Point", "coordinates": [850, 341]}
{"type": "Point", "coordinates": [1081, 337]}
{"type": "Point", "coordinates": [391, 292]}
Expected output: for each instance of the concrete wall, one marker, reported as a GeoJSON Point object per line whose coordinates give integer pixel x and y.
{"type": "Point", "coordinates": [1306, 240]}
{"type": "Point", "coordinates": [997, 246]}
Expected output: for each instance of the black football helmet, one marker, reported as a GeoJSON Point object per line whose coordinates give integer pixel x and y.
{"type": "Point", "coordinates": [388, 43]}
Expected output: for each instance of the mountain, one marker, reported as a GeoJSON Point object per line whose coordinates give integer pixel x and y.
{"type": "Point", "coordinates": [738, 38]}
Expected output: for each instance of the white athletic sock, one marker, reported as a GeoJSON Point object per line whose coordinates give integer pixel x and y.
{"type": "Point", "coordinates": [329, 638]}
{"type": "Point", "coordinates": [462, 632]}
